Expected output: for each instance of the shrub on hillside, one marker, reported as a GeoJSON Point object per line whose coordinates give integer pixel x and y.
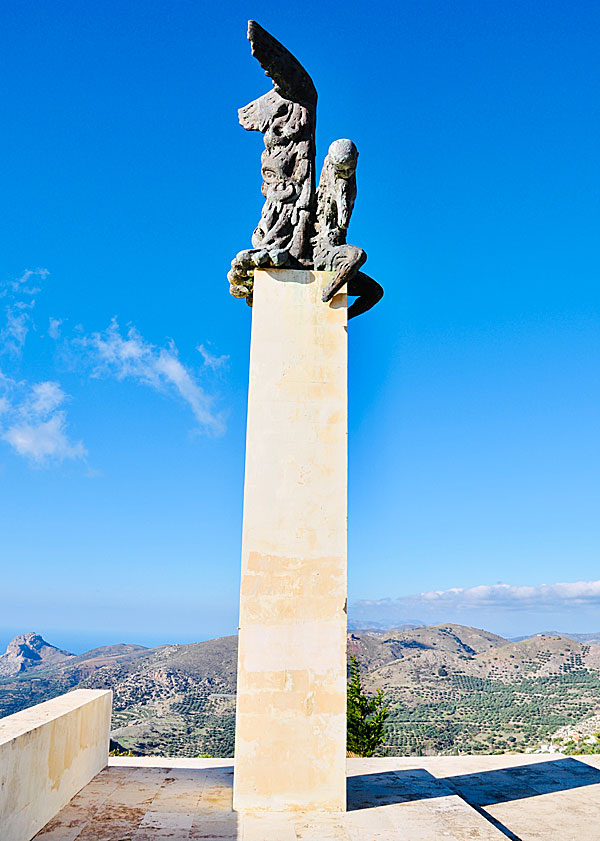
{"type": "Point", "coordinates": [366, 716]}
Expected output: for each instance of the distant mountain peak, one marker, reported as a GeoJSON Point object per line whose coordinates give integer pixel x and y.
{"type": "Point", "coordinates": [29, 650]}
{"type": "Point", "coordinates": [30, 639]}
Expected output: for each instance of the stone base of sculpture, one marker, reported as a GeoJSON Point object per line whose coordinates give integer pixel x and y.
{"type": "Point", "coordinates": [290, 749]}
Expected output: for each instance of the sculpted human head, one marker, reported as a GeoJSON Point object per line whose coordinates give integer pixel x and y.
{"type": "Point", "coordinates": [343, 156]}
{"type": "Point", "coordinates": [277, 172]}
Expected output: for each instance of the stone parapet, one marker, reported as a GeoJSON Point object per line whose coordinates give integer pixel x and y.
{"type": "Point", "coordinates": [48, 753]}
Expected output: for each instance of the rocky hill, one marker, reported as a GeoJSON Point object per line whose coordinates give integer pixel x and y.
{"type": "Point", "coordinates": [28, 651]}
{"type": "Point", "coordinates": [451, 688]}
{"type": "Point", "coordinates": [173, 699]}
{"type": "Point", "coordinates": [448, 688]}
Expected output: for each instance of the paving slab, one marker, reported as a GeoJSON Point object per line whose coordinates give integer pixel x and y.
{"type": "Point", "coordinates": [465, 798]}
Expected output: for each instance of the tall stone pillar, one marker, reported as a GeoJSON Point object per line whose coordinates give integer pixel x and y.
{"type": "Point", "coordinates": [290, 743]}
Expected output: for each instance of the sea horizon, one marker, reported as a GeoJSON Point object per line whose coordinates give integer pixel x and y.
{"type": "Point", "coordinates": [81, 641]}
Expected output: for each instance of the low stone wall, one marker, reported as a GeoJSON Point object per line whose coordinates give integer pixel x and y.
{"type": "Point", "coordinates": [47, 754]}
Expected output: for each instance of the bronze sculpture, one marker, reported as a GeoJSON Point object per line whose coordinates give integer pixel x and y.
{"type": "Point", "coordinates": [299, 227]}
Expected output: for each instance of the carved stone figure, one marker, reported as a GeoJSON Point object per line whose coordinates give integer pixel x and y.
{"type": "Point", "coordinates": [335, 201]}
{"type": "Point", "coordinates": [286, 118]}
{"type": "Point", "coordinates": [296, 228]}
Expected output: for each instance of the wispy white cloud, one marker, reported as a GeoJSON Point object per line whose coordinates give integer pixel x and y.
{"type": "Point", "coordinates": [128, 355]}
{"type": "Point", "coordinates": [46, 397]}
{"type": "Point", "coordinates": [505, 597]}
{"type": "Point", "coordinates": [14, 332]}
{"type": "Point", "coordinates": [25, 284]}
{"type": "Point", "coordinates": [54, 327]}
{"type": "Point", "coordinates": [516, 596]}
{"type": "Point", "coordinates": [33, 419]}
{"type": "Point", "coordinates": [34, 424]}
{"type": "Point", "coordinates": [32, 416]}
{"type": "Point", "coordinates": [211, 360]}
{"type": "Point", "coordinates": [42, 441]}
{"type": "Point", "coordinates": [17, 312]}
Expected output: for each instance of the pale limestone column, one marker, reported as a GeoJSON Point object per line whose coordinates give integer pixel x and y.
{"type": "Point", "coordinates": [290, 745]}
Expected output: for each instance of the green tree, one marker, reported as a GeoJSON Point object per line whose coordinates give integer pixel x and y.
{"type": "Point", "coordinates": [366, 716]}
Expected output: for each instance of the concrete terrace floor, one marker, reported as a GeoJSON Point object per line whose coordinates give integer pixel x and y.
{"type": "Point", "coordinates": [488, 798]}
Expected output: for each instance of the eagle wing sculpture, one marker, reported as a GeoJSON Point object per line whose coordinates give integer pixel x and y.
{"type": "Point", "coordinates": [300, 227]}
{"type": "Point", "coordinates": [290, 79]}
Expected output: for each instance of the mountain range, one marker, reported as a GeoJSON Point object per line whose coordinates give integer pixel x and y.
{"type": "Point", "coordinates": [449, 688]}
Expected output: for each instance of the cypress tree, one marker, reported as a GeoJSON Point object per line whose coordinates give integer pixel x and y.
{"type": "Point", "coordinates": [366, 716]}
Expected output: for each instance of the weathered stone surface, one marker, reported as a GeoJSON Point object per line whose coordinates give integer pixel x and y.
{"type": "Point", "coordinates": [456, 798]}
{"type": "Point", "coordinates": [286, 117]}
{"type": "Point", "coordinates": [335, 202]}
{"type": "Point", "coordinates": [291, 691]}
{"type": "Point", "coordinates": [291, 223]}
{"type": "Point", "coordinates": [48, 753]}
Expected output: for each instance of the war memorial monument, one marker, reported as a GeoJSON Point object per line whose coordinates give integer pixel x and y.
{"type": "Point", "coordinates": [290, 744]}
{"type": "Point", "coordinates": [290, 777]}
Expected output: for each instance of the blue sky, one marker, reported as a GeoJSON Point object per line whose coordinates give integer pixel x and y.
{"type": "Point", "coordinates": [128, 186]}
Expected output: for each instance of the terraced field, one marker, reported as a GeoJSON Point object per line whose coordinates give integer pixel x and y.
{"type": "Point", "coordinates": [449, 689]}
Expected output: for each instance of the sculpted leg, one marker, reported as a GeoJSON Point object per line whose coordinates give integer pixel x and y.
{"type": "Point", "coordinates": [345, 261]}
{"type": "Point", "coordinates": [241, 274]}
